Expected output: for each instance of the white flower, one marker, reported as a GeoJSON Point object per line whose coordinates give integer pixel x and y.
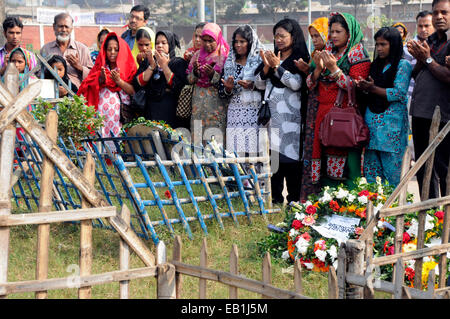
{"type": "Point", "coordinates": [285, 255]}
{"type": "Point", "coordinates": [293, 233]}
{"type": "Point", "coordinates": [410, 263]}
{"type": "Point", "coordinates": [325, 198]}
{"type": "Point", "coordinates": [362, 181]}
{"type": "Point", "coordinates": [335, 264]}
{"type": "Point", "coordinates": [332, 252]}
{"type": "Point", "coordinates": [378, 180]}
{"type": "Point", "coordinates": [302, 245]}
{"type": "Point", "coordinates": [282, 224]}
{"type": "Point", "coordinates": [321, 254]}
{"type": "Point", "coordinates": [308, 203]}
{"type": "Point", "coordinates": [429, 223]}
{"type": "Point", "coordinates": [299, 216]}
{"type": "Point", "coordinates": [380, 224]}
{"type": "Point", "coordinates": [351, 198]}
{"type": "Point", "coordinates": [342, 193]}
{"type": "Point", "coordinates": [380, 190]}
{"type": "Point", "coordinates": [412, 231]}
{"type": "Point", "coordinates": [362, 199]}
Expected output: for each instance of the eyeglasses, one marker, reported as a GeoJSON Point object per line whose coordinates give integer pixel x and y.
{"type": "Point", "coordinates": [133, 17]}
{"type": "Point", "coordinates": [280, 36]}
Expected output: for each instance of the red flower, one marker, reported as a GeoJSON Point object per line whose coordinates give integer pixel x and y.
{"type": "Point", "coordinates": [167, 194]}
{"type": "Point", "coordinates": [108, 161]}
{"type": "Point", "coordinates": [334, 205]}
{"type": "Point", "coordinates": [297, 224]}
{"type": "Point", "coordinates": [311, 210]}
{"type": "Point", "coordinates": [385, 246]}
{"type": "Point", "coordinates": [364, 193]}
{"type": "Point", "coordinates": [409, 272]}
{"type": "Point", "coordinates": [439, 214]}
{"type": "Point", "coordinates": [406, 237]}
{"type": "Point", "coordinates": [390, 250]}
{"type": "Point", "coordinates": [306, 236]}
{"type": "Point", "coordinates": [373, 196]}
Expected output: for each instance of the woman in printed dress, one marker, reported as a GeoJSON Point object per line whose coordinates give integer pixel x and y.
{"type": "Point", "coordinates": [109, 83]}
{"type": "Point", "coordinates": [343, 60]}
{"type": "Point", "coordinates": [387, 113]}
{"type": "Point", "coordinates": [237, 86]}
{"type": "Point", "coordinates": [318, 31]}
{"type": "Point", "coordinates": [284, 86]}
{"type": "Point", "coordinates": [209, 111]}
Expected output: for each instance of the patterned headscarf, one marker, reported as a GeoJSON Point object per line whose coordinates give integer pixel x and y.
{"type": "Point", "coordinates": [253, 60]}
{"type": "Point", "coordinates": [405, 30]}
{"type": "Point", "coordinates": [217, 57]}
{"type": "Point", "coordinates": [135, 50]}
{"type": "Point", "coordinates": [27, 57]}
{"type": "Point", "coordinates": [321, 26]}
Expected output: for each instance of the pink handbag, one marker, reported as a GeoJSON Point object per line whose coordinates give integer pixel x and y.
{"type": "Point", "coordinates": [344, 128]}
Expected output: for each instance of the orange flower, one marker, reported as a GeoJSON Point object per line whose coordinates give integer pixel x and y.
{"type": "Point", "coordinates": [351, 208]}
{"type": "Point", "coordinates": [316, 204]}
{"type": "Point", "coordinates": [342, 209]}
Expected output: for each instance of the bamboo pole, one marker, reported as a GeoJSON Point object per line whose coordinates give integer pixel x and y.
{"type": "Point", "coordinates": [45, 205]}
{"type": "Point", "coordinates": [124, 256]}
{"type": "Point", "coordinates": [266, 272]}
{"type": "Point", "coordinates": [203, 263]}
{"type": "Point", "coordinates": [234, 269]}
{"type": "Point", "coordinates": [6, 165]}
{"type": "Point", "coordinates": [424, 196]}
{"type": "Point", "coordinates": [86, 231]}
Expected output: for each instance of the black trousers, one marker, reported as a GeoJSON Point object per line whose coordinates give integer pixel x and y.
{"type": "Point", "coordinates": [292, 172]}
{"type": "Point", "coordinates": [421, 134]}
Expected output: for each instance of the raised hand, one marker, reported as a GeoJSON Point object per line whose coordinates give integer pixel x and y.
{"type": "Point", "coordinates": [302, 65]}
{"type": "Point", "coordinates": [228, 84]}
{"type": "Point", "coordinates": [246, 84]}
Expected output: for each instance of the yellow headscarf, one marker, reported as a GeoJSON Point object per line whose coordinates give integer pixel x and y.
{"type": "Point", "coordinates": [405, 33]}
{"type": "Point", "coordinates": [321, 25]}
{"type": "Point", "coordinates": [135, 50]}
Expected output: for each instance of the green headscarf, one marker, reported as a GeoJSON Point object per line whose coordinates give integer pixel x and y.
{"type": "Point", "coordinates": [354, 45]}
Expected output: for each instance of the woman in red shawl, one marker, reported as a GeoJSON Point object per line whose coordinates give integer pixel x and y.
{"type": "Point", "coordinates": [109, 82]}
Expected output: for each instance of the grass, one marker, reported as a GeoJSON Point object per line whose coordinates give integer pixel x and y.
{"type": "Point", "coordinates": [65, 243]}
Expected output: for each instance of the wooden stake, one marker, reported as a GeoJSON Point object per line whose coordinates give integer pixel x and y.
{"type": "Point", "coordinates": [234, 269]}
{"type": "Point", "coordinates": [177, 247]}
{"type": "Point", "coordinates": [124, 256]}
{"type": "Point", "coordinates": [298, 277]}
{"type": "Point", "coordinates": [86, 231]}
{"type": "Point", "coordinates": [355, 265]}
{"type": "Point", "coordinates": [266, 272]}
{"type": "Point", "coordinates": [166, 281]}
{"type": "Point", "coordinates": [45, 205]}
{"type": "Point", "coordinates": [398, 279]}
{"type": "Point", "coordinates": [203, 263]}
{"type": "Point", "coordinates": [342, 271]}
{"type": "Point", "coordinates": [445, 237]}
{"type": "Point", "coordinates": [333, 288]}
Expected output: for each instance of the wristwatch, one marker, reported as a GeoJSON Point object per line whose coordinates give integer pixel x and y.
{"type": "Point", "coordinates": [429, 60]}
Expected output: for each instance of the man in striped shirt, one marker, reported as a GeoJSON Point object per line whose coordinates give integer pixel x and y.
{"type": "Point", "coordinates": [12, 29]}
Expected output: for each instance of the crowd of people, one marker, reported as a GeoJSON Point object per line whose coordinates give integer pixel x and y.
{"type": "Point", "coordinates": [396, 91]}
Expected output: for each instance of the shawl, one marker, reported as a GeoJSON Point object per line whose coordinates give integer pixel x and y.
{"type": "Point", "coordinates": [253, 60]}
{"type": "Point", "coordinates": [354, 50]}
{"type": "Point", "coordinates": [90, 87]}
{"type": "Point", "coordinates": [135, 51]}
{"type": "Point", "coordinates": [405, 30]}
{"type": "Point", "coordinates": [27, 57]}
{"type": "Point", "coordinates": [217, 57]}
{"type": "Point", "coordinates": [321, 26]}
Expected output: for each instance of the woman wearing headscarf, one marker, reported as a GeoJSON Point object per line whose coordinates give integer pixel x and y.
{"type": "Point", "coordinates": [237, 86]}
{"type": "Point", "coordinates": [196, 42]}
{"type": "Point", "coordinates": [343, 60]}
{"type": "Point", "coordinates": [109, 82]}
{"type": "Point", "coordinates": [143, 43]}
{"type": "Point", "coordinates": [403, 31]}
{"type": "Point", "coordinates": [387, 113]}
{"type": "Point", "coordinates": [162, 76]}
{"type": "Point", "coordinates": [318, 31]}
{"type": "Point", "coordinates": [285, 91]}
{"type": "Point", "coordinates": [205, 69]}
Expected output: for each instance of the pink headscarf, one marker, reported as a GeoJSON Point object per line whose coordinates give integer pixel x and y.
{"type": "Point", "coordinates": [218, 57]}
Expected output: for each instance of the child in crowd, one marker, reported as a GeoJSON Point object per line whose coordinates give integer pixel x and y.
{"type": "Point", "coordinates": [60, 66]}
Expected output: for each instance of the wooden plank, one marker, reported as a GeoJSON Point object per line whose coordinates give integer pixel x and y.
{"type": "Point", "coordinates": [204, 264]}
{"type": "Point", "coordinates": [398, 279]}
{"type": "Point", "coordinates": [236, 281]}
{"type": "Point", "coordinates": [430, 283]}
{"type": "Point", "coordinates": [266, 272]}
{"type": "Point", "coordinates": [445, 237]}
{"type": "Point", "coordinates": [424, 196]}
{"type": "Point", "coordinates": [19, 104]}
{"type": "Point", "coordinates": [86, 231]}
{"type": "Point", "coordinates": [403, 183]}
{"type": "Point", "coordinates": [399, 221]}
{"type": "Point", "coordinates": [45, 205]}
{"type": "Point", "coordinates": [127, 233]}
{"type": "Point", "coordinates": [298, 284]}
{"type": "Point", "coordinates": [161, 254]}
{"type": "Point", "coordinates": [166, 281]}
{"type": "Point", "coordinates": [354, 250]}
{"type": "Point", "coordinates": [369, 291]}
{"type": "Point", "coordinates": [6, 166]}
{"type": "Point", "coordinates": [264, 145]}
{"type": "Point", "coordinates": [415, 207]}
{"type": "Point", "coordinates": [57, 217]}
{"type": "Point", "coordinates": [430, 251]}
{"type": "Point", "coordinates": [80, 281]}
{"type": "Point", "coordinates": [177, 248]}
{"type": "Point", "coordinates": [234, 269]}
{"type": "Point", "coordinates": [342, 271]}
{"type": "Point", "coordinates": [333, 288]}
{"type": "Point", "coordinates": [124, 256]}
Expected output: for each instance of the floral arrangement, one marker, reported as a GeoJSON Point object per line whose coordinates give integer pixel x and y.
{"type": "Point", "coordinates": [174, 135]}
{"type": "Point", "coordinates": [303, 240]}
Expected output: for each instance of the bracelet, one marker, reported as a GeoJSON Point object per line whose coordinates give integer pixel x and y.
{"type": "Point", "coordinates": [150, 67]}
{"type": "Point", "coordinates": [336, 74]}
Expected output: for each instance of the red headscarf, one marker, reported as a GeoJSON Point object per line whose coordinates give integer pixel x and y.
{"type": "Point", "coordinates": [90, 87]}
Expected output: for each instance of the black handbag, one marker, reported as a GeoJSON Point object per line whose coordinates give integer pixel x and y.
{"type": "Point", "coordinates": [264, 110]}
{"type": "Point", "coordinates": [126, 112]}
{"type": "Point", "coordinates": [138, 101]}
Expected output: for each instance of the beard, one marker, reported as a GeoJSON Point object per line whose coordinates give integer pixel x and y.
{"type": "Point", "coordinates": [62, 38]}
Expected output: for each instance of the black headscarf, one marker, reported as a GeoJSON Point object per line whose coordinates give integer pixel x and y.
{"type": "Point", "coordinates": [299, 50]}
{"type": "Point", "coordinates": [65, 78]}
{"type": "Point", "coordinates": [172, 40]}
{"type": "Point", "coordinates": [386, 79]}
